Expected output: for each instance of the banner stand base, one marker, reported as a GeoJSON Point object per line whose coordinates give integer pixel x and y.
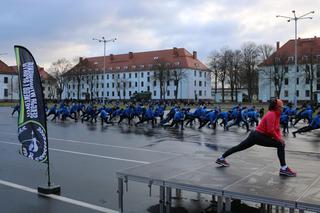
{"type": "Point", "coordinates": [54, 189]}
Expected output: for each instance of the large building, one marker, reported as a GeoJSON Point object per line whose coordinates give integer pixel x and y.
{"type": "Point", "coordinates": [9, 83]}
{"type": "Point", "coordinates": [277, 74]}
{"type": "Point", "coordinates": [179, 73]}
{"type": "Point", "coordinates": [9, 86]}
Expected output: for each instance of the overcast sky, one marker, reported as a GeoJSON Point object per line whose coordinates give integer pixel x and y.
{"type": "Point", "coordinates": [65, 28]}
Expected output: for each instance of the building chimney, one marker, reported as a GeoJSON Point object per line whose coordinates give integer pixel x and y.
{"type": "Point", "coordinates": [130, 55]}
{"type": "Point", "coordinates": [175, 51]}
{"type": "Point", "coordinates": [111, 57]}
{"type": "Point", "coordinates": [194, 55]}
{"type": "Point", "coordinates": [278, 45]}
{"type": "Point", "coordinates": [80, 59]}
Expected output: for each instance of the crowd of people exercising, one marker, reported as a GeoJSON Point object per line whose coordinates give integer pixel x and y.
{"type": "Point", "coordinates": [178, 115]}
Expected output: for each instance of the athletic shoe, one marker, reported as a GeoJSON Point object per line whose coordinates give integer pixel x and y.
{"type": "Point", "coordinates": [222, 162]}
{"type": "Point", "coordinates": [287, 172]}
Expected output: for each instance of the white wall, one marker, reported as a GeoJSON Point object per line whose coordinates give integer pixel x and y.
{"type": "Point", "coordinates": [186, 88]}
{"type": "Point", "coordinates": [12, 86]}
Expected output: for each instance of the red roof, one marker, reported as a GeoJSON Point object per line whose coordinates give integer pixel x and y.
{"type": "Point", "coordinates": [43, 74]}
{"type": "Point", "coordinates": [140, 61]}
{"type": "Point", "coordinates": [5, 69]}
{"type": "Point", "coordinates": [306, 47]}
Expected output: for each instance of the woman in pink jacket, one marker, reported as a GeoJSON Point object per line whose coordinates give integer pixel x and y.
{"type": "Point", "coordinates": [266, 134]}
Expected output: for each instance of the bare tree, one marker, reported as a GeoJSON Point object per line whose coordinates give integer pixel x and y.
{"type": "Point", "coordinates": [265, 51]}
{"type": "Point", "coordinates": [57, 69]}
{"type": "Point", "coordinates": [223, 63]}
{"type": "Point", "coordinates": [309, 65]}
{"type": "Point", "coordinates": [250, 60]}
{"type": "Point", "coordinates": [162, 74]}
{"type": "Point", "coordinates": [278, 72]}
{"type": "Point", "coordinates": [178, 74]}
{"type": "Point", "coordinates": [213, 64]}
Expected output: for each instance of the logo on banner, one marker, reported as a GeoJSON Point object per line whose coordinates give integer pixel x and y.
{"type": "Point", "coordinates": [33, 140]}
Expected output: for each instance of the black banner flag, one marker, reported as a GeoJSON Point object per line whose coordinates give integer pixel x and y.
{"type": "Point", "coordinates": [32, 126]}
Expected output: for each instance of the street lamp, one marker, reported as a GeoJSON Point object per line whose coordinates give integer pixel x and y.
{"type": "Point", "coordinates": [104, 61]}
{"type": "Point", "coordinates": [295, 19]}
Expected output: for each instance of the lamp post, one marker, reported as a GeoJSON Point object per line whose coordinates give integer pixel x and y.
{"type": "Point", "coordinates": [104, 62]}
{"type": "Point", "coordinates": [295, 19]}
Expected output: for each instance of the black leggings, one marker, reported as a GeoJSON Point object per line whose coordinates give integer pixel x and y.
{"type": "Point", "coordinates": [256, 138]}
{"type": "Point", "coordinates": [305, 129]}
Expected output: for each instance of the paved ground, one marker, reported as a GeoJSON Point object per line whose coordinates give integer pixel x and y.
{"type": "Point", "coordinates": [85, 157]}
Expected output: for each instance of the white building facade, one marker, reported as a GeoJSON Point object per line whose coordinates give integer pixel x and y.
{"type": "Point", "coordinates": [131, 73]}
{"type": "Point", "coordinates": [296, 84]}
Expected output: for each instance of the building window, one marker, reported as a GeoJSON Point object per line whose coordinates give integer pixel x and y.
{"type": "Point", "coordinates": [130, 93]}
{"type": "Point", "coordinates": [148, 88]}
{"type": "Point", "coordinates": [142, 75]}
{"type": "Point", "coordinates": [154, 93]}
{"type": "Point", "coordinates": [200, 73]}
{"type": "Point", "coordinates": [107, 85]}
{"type": "Point", "coordinates": [136, 75]}
{"type": "Point", "coordinates": [129, 75]}
{"type": "Point", "coordinates": [107, 76]}
{"type": "Point", "coordinates": [154, 83]}
{"type": "Point", "coordinates": [205, 93]}
{"type": "Point", "coordinates": [142, 83]}
{"type": "Point", "coordinates": [82, 86]}
{"type": "Point", "coordinates": [108, 94]}
{"type": "Point", "coordinates": [286, 93]}
{"type": "Point", "coordinates": [112, 93]}
{"type": "Point", "coordinates": [102, 85]}
{"type": "Point", "coordinates": [148, 79]}
{"type": "Point", "coordinates": [168, 83]}
{"type": "Point", "coordinates": [286, 81]}
{"type": "Point", "coordinates": [297, 81]}
{"type": "Point", "coordinates": [112, 85]}
{"type": "Point", "coordinates": [102, 77]}
{"type": "Point", "coordinates": [5, 92]}
{"type": "Point", "coordinates": [97, 85]}
{"type": "Point", "coordinates": [200, 83]}
{"type": "Point", "coordinates": [124, 75]}
{"type": "Point", "coordinates": [205, 83]}
{"type": "Point", "coordinates": [135, 84]}
{"type": "Point", "coordinates": [318, 86]}
{"type": "Point", "coordinates": [195, 83]}
{"type": "Point", "coordinates": [168, 92]}
{"type": "Point", "coordinates": [102, 94]}
{"type": "Point", "coordinates": [195, 73]}
{"type": "Point", "coordinates": [119, 93]}
{"type": "Point", "coordinates": [130, 85]}
{"type": "Point", "coordinates": [97, 77]}
{"type": "Point", "coordinates": [297, 93]}
{"type": "Point", "coordinates": [5, 80]}
{"type": "Point", "coordinates": [200, 92]}
{"type": "Point", "coordinates": [118, 76]}
{"type": "Point", "coordinates": [286, 69]}
{"type": "Point", "coordinates": [205, 74]}
{"type": "Point", "coordinates": [112, 76]}
{"type": "Point", "coordinates": [307, 93]}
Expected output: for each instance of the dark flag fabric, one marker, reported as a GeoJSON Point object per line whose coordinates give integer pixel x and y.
{"type": "Point", "coordinates": [32, 127]}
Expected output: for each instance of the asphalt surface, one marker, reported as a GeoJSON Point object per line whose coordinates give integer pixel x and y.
{"type": "Point", "coordinates": [84, 158]}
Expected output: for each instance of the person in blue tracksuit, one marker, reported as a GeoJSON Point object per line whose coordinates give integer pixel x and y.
{"type": "Point", "coordinates": [253, 117]}
{"type": "Point", "coordinates": [104, 116]}
{"type": "Point", "coordinates": [178, 118]}
{"type": "Point", "coordinates": [211, 118]}
{"type": "Point", "coordinates": [52, 111]}
{"type": "Point", "coordinates": [315, 124]}
{"type": "Point", "coordinates": [74, 111]}
{"type": "Point", "coordinates": [225, 116]}
{"type": "Point", "coordinates": [128, 113]}
{"type": "Point", "coordinates": [284, 121]}
{"type": "Point", "coordinates": [148, 115]}
{"type": "Point", "coordinates": [304, 114]}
